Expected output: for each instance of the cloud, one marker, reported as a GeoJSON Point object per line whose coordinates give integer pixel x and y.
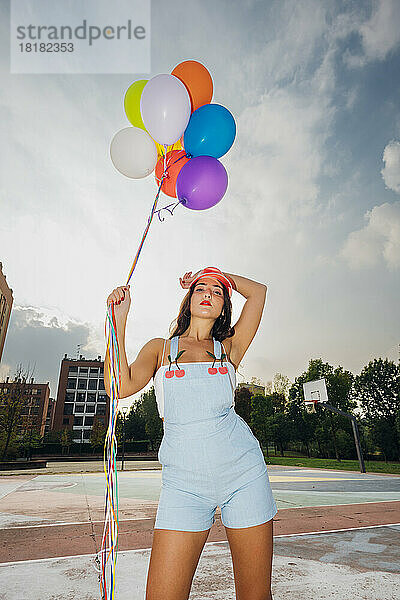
{"type": "Point", "coordinates": [38, 340]}
{"type": "Point", "coordinates": [379, 35]}
{"type": "Point", "coordinates": [391, 170]}
{"type": "Point", "coordinates": [379, 239]}
{"type": "Point", "coordinates": [274, 171]}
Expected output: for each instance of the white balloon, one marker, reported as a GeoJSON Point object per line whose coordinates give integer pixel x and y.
{"type": "Point", "coordinates": [165, 108]}
{"type": "Point", "coordinates": [133, 152]}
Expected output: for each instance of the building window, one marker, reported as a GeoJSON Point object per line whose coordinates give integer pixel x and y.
{"type": "Point", "coordinates": [71, 384]}
{"type": "Point", "coordinates": [91, 396]}
{"type": "Point", "coordinates": [90, 408]}
{"type": "Point", "coordinates": [79, 408]}
{"type": "Point", "coordinates": [68, 408]}
{"type": "Point", "coordinates": [83, 371]}
{"type": "Point", "coordinates": [92, 384]}
{"type": "Point", "coordinates": [69, 397]}
{"type": "Point", "coordinates": [101, 409]}
{"type": "Point", "coordinates": [82, 383]}
{"type": "Point", "coordinates": [81, 397]}
{"type": "Point", "coordinates": [89, 420]}
{"type": "Point", "coordinates": [101, 384]}
{"type": "Point", "coordinates": [94, 371]}
{"type": "Point", "coordinates": [73, 369]}
{"type": "Point", "coordinates": [102, 397]}
{"type": "Point", "coordinates": [86, 434]}
{"type": "Point", "coordinates": [78, 420]}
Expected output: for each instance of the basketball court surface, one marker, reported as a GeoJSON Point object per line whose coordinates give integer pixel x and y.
{"type": "Point", "coordinates": [336, 535]}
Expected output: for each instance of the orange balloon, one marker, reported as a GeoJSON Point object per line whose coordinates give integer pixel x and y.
{"type": "Point", "coordinates": [174, 166]}
{"type": "Point", "coordinates": [197, 80]}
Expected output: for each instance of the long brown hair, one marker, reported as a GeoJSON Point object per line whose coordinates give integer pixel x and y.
{"type": "Point", "coordinates": [222, 326]}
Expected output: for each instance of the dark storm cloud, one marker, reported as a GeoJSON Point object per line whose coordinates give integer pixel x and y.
{"type": "Point", "coordinates": [39, 343]}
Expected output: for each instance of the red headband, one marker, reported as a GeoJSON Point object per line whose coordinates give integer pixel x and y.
{"type": "Point", "coordinates": [215, 273]}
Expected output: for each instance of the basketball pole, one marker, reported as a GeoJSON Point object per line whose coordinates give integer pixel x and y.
{"type": "Point", "coordinates": [355, 431]}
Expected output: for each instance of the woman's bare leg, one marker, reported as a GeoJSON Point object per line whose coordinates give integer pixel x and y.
{"type": "Point", "coordinates": [173, 561]}
{"type": "Point", "coordinates": [251, 549]}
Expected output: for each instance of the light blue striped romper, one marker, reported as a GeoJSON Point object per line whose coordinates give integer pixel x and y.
{"type": "Point", "coordinates": [208, 453]}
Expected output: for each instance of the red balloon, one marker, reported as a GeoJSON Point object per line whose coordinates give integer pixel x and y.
{"type": "Point", "coordinates": [175, 161]}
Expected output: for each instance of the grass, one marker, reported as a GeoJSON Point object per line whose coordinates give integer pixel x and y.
{"type": "Point", "coordinates": [330, 463]}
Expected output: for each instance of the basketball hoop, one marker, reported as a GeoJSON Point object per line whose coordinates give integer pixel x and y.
{"type": "Point", "coordinates": [310, 406]}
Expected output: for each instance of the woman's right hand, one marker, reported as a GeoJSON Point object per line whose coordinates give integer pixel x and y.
{"type": "Point", "coordinates": [121, 298]}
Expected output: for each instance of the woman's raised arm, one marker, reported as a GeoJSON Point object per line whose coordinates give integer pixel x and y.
{"type": "Point", "coordinates": [250, 317]}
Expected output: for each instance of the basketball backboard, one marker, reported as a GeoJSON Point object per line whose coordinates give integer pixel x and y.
{"type": "Point", "coordinates": [315, 393]}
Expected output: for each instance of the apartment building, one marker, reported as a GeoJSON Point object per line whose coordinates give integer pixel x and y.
{"type": "Point", "coordinates": [81, 398]}
{"type": "Point", "coordinates": [32, 400]}
{"type": "Point", "coordinates": [6, 302]}
{"type": "Point", "coordinates": [253, 388]}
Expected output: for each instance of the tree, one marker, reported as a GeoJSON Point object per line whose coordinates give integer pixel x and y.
{"type": "Point", "coordinates": [281, 384]}
{"type": "Point", "coordinates": [243, 403]}
{"type": "Point", "coordinates": [377, 388]}
{"type": "Point", "coordinates": [281, 430]}
{"type": "Point", "coordinates": [323, 425]}
{"type": "Point", "coordinates": [261, 411]}
{"type": "Point", "coordinates": [14, 402]}
{"type": "Point", "coordinates": [97, 435]}
{"type": "Point", "coordinates": [154, 426]}
{"type": "Point", "coordinates": [66, 440]}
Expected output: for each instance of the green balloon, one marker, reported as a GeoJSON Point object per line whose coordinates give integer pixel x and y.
{"type": "Point", "coordinates": [132, 103]}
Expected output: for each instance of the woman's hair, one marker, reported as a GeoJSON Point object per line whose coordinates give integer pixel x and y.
{"type": "Point", "coordinates": [222, 327]}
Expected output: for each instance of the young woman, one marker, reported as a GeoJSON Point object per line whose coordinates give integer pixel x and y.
{"type": "Point", "coordinates": [208, 453]}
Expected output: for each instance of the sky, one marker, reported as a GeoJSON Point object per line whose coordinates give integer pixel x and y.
{"type": "Point", "coordinates": [312, 207]}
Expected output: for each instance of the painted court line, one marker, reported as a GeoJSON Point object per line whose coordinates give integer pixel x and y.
{"type": "Point", "coordinates": [322, 506]}
{"type": "Point", "coordinates": [53, 559]}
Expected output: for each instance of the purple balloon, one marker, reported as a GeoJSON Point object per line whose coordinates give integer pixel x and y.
{"type": "Point", "coordinates": [201, 182]}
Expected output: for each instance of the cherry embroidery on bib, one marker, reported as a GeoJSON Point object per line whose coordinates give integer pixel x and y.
{"type": "Point", "coordinates": [169, 373]}
{"type": "Point", "coordinates": [178, 372]}
{"type": "Point", "coordinates": [212, 370]}
{"type": "Point", "coordinates": [223, 369]}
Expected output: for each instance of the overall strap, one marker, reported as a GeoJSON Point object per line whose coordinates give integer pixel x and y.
{"type": "Point", "coordinates": [174, 347]}
{"type": "Point", "coordinates": [217, 348]}
{"type": "Point", "coordinates": [163, 352]}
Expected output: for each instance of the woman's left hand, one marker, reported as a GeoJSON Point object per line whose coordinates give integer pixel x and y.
{"type": "Point", "coordinates": [187, 279]}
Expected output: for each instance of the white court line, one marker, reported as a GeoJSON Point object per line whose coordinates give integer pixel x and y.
{"type": "Point", "coordinates": [319, 506]}
{"type": "Point", "coordinates": [36, 560]}
{"type": "Point", "coordinates": [64, 524]}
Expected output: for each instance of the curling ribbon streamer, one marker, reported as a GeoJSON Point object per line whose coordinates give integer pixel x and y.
{"type": "Point", "coordinates": [109, 547]}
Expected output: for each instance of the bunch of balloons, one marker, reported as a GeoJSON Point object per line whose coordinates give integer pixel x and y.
{"type": "Point", "coordinates": [177, 133]}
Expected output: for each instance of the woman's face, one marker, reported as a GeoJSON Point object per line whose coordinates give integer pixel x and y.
{"type": "Point", "coordinates": [207, 289]}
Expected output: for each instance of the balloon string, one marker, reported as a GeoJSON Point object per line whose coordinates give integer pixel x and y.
{"type": "Point", "coordinates": [109, 546]}
{"type": "Point", "coordinates": [164, 175]}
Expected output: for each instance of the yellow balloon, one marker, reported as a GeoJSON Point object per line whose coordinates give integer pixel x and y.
{"type": "Point", "coordinates": [161, 149]}
{"type": "Point", "coordinates": [132, 103]}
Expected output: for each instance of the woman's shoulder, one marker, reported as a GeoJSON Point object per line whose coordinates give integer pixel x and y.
{"type": "Point", "coordinates": [159, 344]}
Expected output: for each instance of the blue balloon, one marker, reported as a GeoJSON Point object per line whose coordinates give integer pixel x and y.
{"type": "Point", "coordinates": [210, 132]}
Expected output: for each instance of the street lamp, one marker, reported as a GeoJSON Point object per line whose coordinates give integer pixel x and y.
{"type": "Point", "coordinates": [124, 411]}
